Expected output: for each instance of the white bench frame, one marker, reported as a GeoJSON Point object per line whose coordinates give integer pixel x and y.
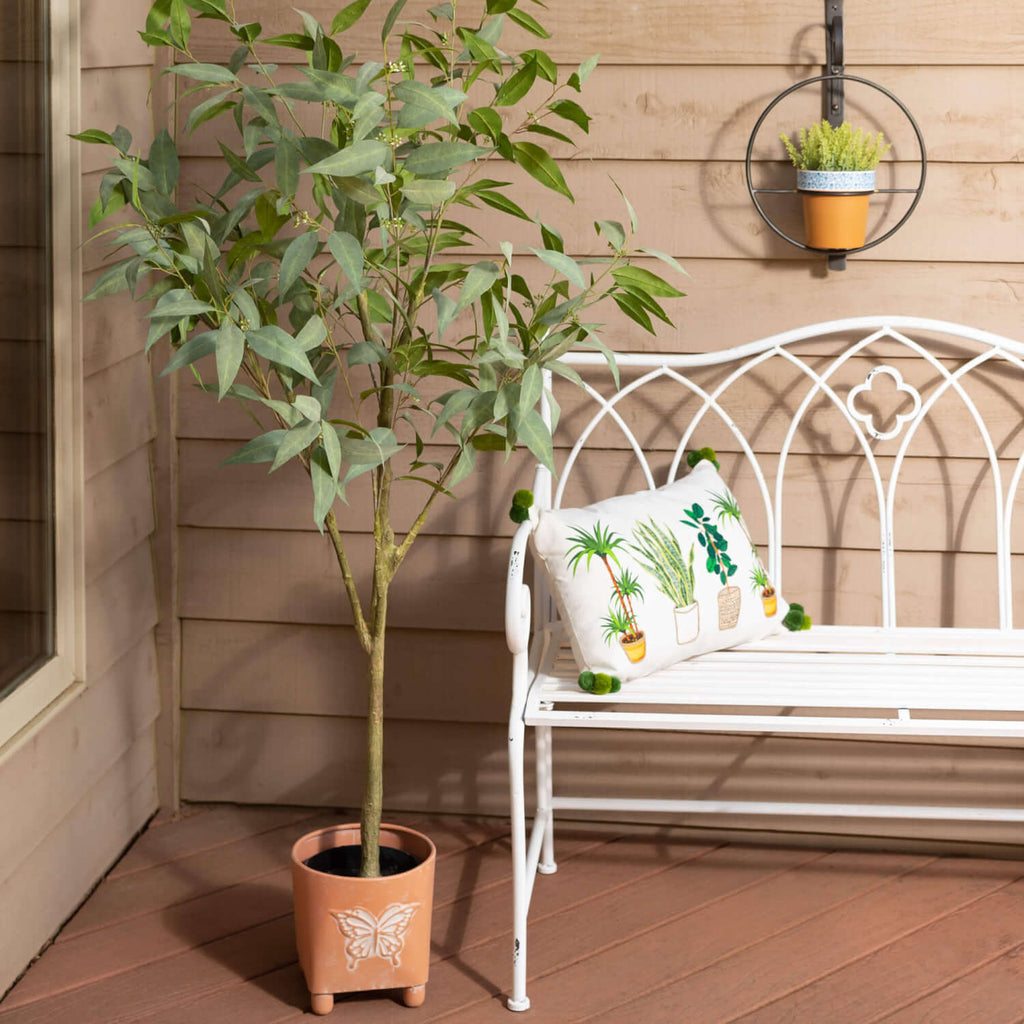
{"type": "Point", "coordinates": [944, 671]}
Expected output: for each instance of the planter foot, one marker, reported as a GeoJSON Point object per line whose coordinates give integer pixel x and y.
{"type": "Point", "coordinates": [547, 868]}
{"type": "Point", "coordinates": [322, 1002]}
{"type": "Point", "coordinates": [414, 995]}
{"type": "Point", "coordinates": [519, 1005]}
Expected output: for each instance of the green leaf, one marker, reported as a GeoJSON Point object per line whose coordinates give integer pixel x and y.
{"type": "Point", "coordinates": [479, 278]}
{"type": "Point", "coordinates": [587, 67]}
{"type": "Point", "coordinates": [485, 121]}
{"type": "Point", "coordinates": [499, 201]}
{"type": "Point", "coordinates": [230, 350]}
{"type": "Point", "coordinates": [181, 24]}
{"type": "Point", "coordinates": [643, 280]}
{"type": "Point", "coordinates": [352, 160]}
{"type": "Point", "coordinates": [423, 104]}
{"type": "Point", "coordinates": [531, 388]}
{"type": "Point", "coordinates": [517, 86]}
{"type": "Point", "coordinates": [571, 111]}
{"type": "Point", "coordinates": [532, 431]}
{"type": "Point", "coordinates": [367, 353]}
{"type": "Point", "coordinates": [333, 87]}
{"type": "Point", "coordinates": [523, 20]}
{"type": "Point", "coordinates": [195, 348]}
{"type": "Point", "coordinates": [207, 110]}
{"type": "Point", "coordinates": [550, 133]}
{"type": "Point", "coordinates": [565, 265]}
{"type": "Point", "coordinates": [613, 231]}
{"type": "Point", "coordinates": [442, 157]}
{"type": "Point", "coordinates": [467, 459]}
{"type": "Point", "coordinates": [286, 167]}
{"type": "Point", "coordinates": [293, 40]}
{"type": "Point", "coordinates": [163, 163]}
{"type": "Point", "coordinates": [631, 306]}
{"type": "Point", "coordinates": [332, 448]}
{"type": "Point", "coordinates": [204, 72]}
{"type": "Point", "coordinates": [314, 330]}
{"type": "Point", "coordinates": [280, 347]}
{"type": "Point", "coordinates": [238, 165]}
{"type": "Point", "coordinates": [324, 480]}
{"type": "Point", "coordinates": [428, 191]}
{"type": "Point", "coordinates": [95, 136]}
{"type": "Point", "coordinates": [373, 450]}
{"type": "Point", "coordinates": [358, 190]}
{"type": "Point", "coordinates": [178, 304]}
{"type": "Point", "coordinates": [300, 251]}
{"type": "Point", "coordinates": [546, 67]}
{"type": "Point", "coordinates": [348, 16]}
{"type": "Point", "coordinates": [538, 164]}
{"type": "Point", "coordinates": [669, 261]}
{"type": "Point", "coordinates": [260, 101]}
{"type": "Point", "coordinates": [158, 15]}
{"type": "Point", "coordinates": [259, 449]}
{"type": "Point", "coordinates": [349, 255]}
{"type": "Point", "coordinates": [389, 21]}
{"type": "Point", "coordinates": [296, 440]}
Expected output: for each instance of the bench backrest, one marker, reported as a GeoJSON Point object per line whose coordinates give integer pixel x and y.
{"type": "Point", "coordinates": [846, 410]}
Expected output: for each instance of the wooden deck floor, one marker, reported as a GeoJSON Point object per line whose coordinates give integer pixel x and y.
{"type": "Point", "coordinates": [637, 927]}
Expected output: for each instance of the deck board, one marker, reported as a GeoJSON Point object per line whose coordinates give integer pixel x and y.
{"type": "Point", "coordinates": [194, 924]}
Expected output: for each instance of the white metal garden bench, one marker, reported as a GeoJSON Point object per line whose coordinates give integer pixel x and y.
{"type": "Point", "coordinates": [853, 680]}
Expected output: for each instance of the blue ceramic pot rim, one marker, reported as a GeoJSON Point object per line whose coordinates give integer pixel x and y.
{"type": "Point", "coordinates": [835, 181]}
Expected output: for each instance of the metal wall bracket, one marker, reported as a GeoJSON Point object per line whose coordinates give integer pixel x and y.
{"type": "Point", "coordinates": [833, 81]}
{"type": "Point", "coordinates": [833, 94]}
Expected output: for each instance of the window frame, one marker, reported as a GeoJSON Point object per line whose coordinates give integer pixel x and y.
{"type": "Point", "coordinates": [62, 677]}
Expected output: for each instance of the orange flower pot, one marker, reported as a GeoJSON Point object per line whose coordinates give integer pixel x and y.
{"type": "Point", "coordinates": [358, 934]}
{"type": "Point", "coordinates": [835, 207]}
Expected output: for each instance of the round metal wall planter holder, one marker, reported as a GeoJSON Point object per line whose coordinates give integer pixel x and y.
{"type": "Point", "coordinates": [836, 257]}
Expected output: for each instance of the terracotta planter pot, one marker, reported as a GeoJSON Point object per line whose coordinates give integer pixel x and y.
{"type": "Point", "coordinates": [356, 934]}
{"type": "Point", "coordinates": [835, 207]}
{"type": "Point", "coordinates": [636, 648]}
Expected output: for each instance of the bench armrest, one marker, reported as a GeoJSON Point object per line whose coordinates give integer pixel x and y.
{"type": "Point", "coordinates": [517, 594]}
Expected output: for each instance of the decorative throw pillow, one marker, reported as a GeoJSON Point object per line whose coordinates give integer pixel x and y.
{"type": "Point", "coordinates": [648, 579]}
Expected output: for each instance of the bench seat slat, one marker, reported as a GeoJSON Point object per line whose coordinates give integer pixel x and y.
{"type": "Point", "coordinates": [779, 676]}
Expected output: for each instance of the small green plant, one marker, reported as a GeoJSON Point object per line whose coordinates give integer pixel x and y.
{"type": "Point", "coordinates": [715, 546]}
{"type": "Point", "coordinates": [824, 148]}
{"type": "Point", "coordinates": [661, 555]}
{"type": "Point", "coordinates": [759, 580]}
{"type": "Point", "coordinates": [603, 543]}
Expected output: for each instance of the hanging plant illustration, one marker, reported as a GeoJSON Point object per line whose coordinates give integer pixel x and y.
{"type": "Point", "coordinates": [729, 511]}
{"type": "Point", "coordinates": [660, 554]}
{"type": "Point", "coordinates": [717, 562]}
{"type": "Point", "coordinates": [621, 622]}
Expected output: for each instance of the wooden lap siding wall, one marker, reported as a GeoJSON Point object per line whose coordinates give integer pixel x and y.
{"type": "Point", "coordinates": [74, 793]}
{"type": "Point", "coordinates": [272, 694]}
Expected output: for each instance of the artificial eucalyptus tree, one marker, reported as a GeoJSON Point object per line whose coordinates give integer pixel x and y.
{"type": "Point", "coordinates": [324, 285]}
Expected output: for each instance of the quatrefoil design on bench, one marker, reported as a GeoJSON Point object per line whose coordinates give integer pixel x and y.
{"type": "Point", "coordinates": [867, 418]}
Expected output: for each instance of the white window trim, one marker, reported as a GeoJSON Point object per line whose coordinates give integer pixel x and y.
{"type": "Point", "coordinates": [61, 679]}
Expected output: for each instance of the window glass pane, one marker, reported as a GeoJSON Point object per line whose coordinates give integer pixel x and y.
{"type": "Point", "coordinates": [26, 457]}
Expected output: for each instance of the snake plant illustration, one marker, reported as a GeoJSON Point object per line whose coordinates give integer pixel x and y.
{"type": "Point", "coordinates": [717, 562]}
{"type": "Point", "coordinates": [660, 554]}
{"type": "Point", "coordinates": [728, 510]}
{"type": "Point", "coordinates": [621, 622]}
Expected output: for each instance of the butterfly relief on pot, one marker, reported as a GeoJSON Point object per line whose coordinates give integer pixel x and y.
{"type": "Point", "coordinates": [367, 936]}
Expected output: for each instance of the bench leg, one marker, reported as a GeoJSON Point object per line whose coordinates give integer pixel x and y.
{"type": "Point", "coordinates": [520, 881]}
{"type": "Point", "coordinates": [545, 788]}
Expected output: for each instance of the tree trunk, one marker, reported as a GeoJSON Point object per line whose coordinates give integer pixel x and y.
{"type": "Point", "coordinates": [373, 792]}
